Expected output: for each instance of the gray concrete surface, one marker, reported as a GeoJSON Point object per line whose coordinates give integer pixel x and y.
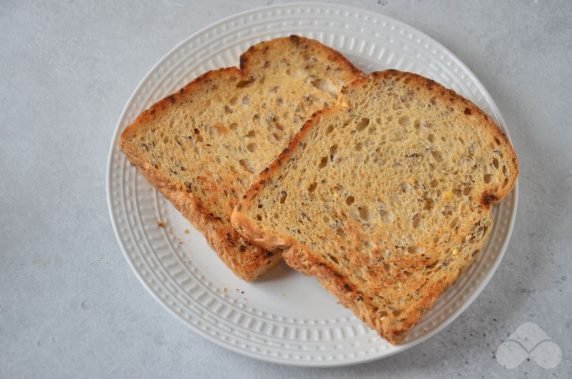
{"type": "Point", "coordinates": [70, 307]}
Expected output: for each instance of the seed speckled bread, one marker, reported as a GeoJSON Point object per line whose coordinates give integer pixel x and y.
{"type": "Point", "coordinates": [202, 146]}
{"type": "Point", "coordinates": [385, 197]}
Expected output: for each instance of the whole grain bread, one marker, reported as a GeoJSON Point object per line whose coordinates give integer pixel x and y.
{"type": "Point", "coordinates": [202, 146]}
{"type": "Point", "coordinates": [385, 197]}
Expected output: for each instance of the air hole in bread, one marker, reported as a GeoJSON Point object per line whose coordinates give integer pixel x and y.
{"type": "Point", "coordinates": [505, 182]}
{"type": "Point", "coordinates": [497, 141]}
{"type": "Point", "coordinates": [431, 265]}
{"type": "Point", "coordinates": [166, 139]}
{"type": "Point", "coordinates": [434, 183]}
{"type": "Point", "coordinates": [245, 83]}
{"type": "Point", "coordinates": [404, 187]}
{"type": "Point", "coordinates": [416, 124]}
{"type": "Point", "coordinates": [256, 117]}
{"type": "Point", "coordinates": [280, 101]}
{"type": "Point", "coordinates": [350, 200]}
{"type": "Point", "coordinates": [318, 83]}
{"type": "Point", "coordinates": [447, 211]}
{"type": "Point", "coordinates": [251, 134]}
{"type": "Point", "coordinates": [378, 121]}
{"type": "Point", "coordinates": [283, 196]}
{"type": "Point", "coordinates": [333, 259]}
{"type": "Point", "coordinates": [363, 213]}
{"type": "Point", "coordinates": [454, 223]}
{"type": "Point", "coordinates": [412, 249]}
{"type": "Point", "coordinates": [251, 147]}
{"type": "Point", "coordinates": [233, 100]}
{"type": "Point", "coordinates": [199, 138]}
{"type": "Point", "coordinates": [488, 178]}
{"type": "Point", "coordinates": [325, 86]}
{"type": "Point", "coordinates": [323, 162]}
{"type": "Point", "coordinates": [259, 217]}
{"type": "Point", "coordinates": [428, 203]}
{"type": "Point", "coordinates": [359, 146]}
{"type": "Point", "coordinates": [340, 232]}
{"type": "Point", "coordinates": [312, 187]}
{"type": "Point", "coordinates": [437, 156]}
{"type": "Point", "coordinates": [228, 109]}
{"type": "Point", "coordinates": [431, 138]}
{"type": "Point", "coordinates": [362, 124]}
{"type": "Point", "coordinates": [457, 192]}
{"type": "Point", "coordinates": [504, 169]}
{"type": "Point", "coordinates": [329, 129]}
{"type": "Point", "coordinates": [404, 121]}
{"type": "Point", "coordinates": [245, 100]}
{"type": "Point", "coordinates": [416, 220]}
{"type": "Point", "coordinates": [333, 150]}
{"type": "Point", "coordinates": [246, 165]}
{"type": "Point", "coordinates": [496, 163]}
{"type": "Point", "coordinates": [233, 126]}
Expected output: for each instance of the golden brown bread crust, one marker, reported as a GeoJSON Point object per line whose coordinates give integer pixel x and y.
{"type": "Point", "coordinates": [247, 260]}
{"type": "Point", "coordinates": [300, 256]}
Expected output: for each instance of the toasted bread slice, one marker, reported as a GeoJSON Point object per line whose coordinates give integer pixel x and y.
{"type": "Point", "coordinates": [202, 146]}
{"type": "Point", "coordinates": [385, 197]}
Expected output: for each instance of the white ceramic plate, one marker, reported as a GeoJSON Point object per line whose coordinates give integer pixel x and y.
{"type": "Point", "coordinates": [286, 317]}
